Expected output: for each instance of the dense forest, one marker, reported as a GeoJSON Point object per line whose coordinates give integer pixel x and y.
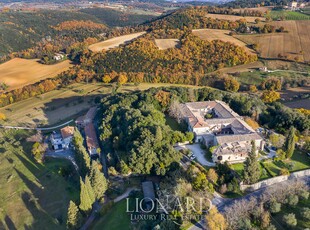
{"type": "Point", "coordinates": [135, 135]}
{"type": "Point", "coordinates": [23, 30]}
{"type": "Point", "coordinates": [114, 18]}
{"type": "Point", "coordinates": [179, 65]}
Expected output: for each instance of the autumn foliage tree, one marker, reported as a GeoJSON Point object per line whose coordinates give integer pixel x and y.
{"type": "Point", "coordinates": [215, 220]}
{"type": "Point", "coordinates": [270, 96]}
{"type": "Point", "coordinates": [231, 84]}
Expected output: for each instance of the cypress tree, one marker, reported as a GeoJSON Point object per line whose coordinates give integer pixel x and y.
{"type": "Point", "coordinates": [90, 190]}
{"type": "Point", "coordinates": [251, 168]}
{"type": "Point", "coordinates": [85, 201]}
{"type": "Point", "coordinates": [290, 142]}
{"type": "Point", "coordinates": [74, 216]}
{"type": "Point", "coordinates": [81, 156]}
{"type": "Point", "coordinates": [98, 181]}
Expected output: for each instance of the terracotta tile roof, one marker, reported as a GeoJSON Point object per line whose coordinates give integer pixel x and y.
{"type": "Point", "coordinates": [67, 131]}
{"type": "Point", "coordinates": [91, 137]}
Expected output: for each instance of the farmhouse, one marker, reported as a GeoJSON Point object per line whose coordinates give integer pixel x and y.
{"type": "Point", "coordinates": [58, 56]}
{"type": "Point", "coordinates": [63, 139]}
{"type": "Point", "coordinates": [214, 123]}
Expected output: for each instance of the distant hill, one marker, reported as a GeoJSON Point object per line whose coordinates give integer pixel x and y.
{"type": "Point", "coordinates": [254, 3]}
{"type": "Point", "coordinates": [22, 30]}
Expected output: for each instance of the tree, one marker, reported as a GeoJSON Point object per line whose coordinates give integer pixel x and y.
{"type": "Point", "coordinates": [277, 140]}
{"type": "Point", "coordinates": [74, 216]}
{"type": "Point", "coordinates": [37, 151]}
{"type": "Point", "coordinates": [98, 181]}
{"type": "Point", "coordinates": [290, 142]}
{"type": "Point", "coordinates": [270, 96]}
{"type": "Point", "coordinates": [274, 207]}
{"type": "Point", "coordinates": [175, 111]}
{"type": "Point", "coordinates": [251, 168]}
{"type": "Point", "coordinates": [90, 190]}
{"type": "Point", "coordinates": [212, 175]}
{"type": "Point", "coordinates": [215, 220]}
{"type": "Point", "coordinates": [122, 78]}
{"type": "Point", "coordinates": [85, 198]}
{"type": "Point", "coordinates": [290, 220]}
{"type": "Point", "coordinates": [2, 116]}
{"type": "Point", "coordinates": [253, 88]}
{"type": "Point", "coordinates": [281, 155]}
{"type": "Point", "coordinates": [292, 200]}
{"type": "Point", "coordinates": [81, 156]}
{"type": "Point", "coordinates": [305, 213]}
{"type": "Point", "coordinates": [230, 84]}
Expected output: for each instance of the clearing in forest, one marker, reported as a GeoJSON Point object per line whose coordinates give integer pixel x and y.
{"type": "Point", "coordinates": [223, 35]}
{"type": "Point", "coordinates": [114, 42]}
{"type": "Point", "coordinates": [164, 44]}
{"type": "Point", "coordinates": [233, 17]}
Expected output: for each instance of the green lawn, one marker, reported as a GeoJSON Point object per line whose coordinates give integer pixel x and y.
{"type": "Point", "coordinates": [238, 168]}
{"type": "Point", "coordinates": [299, 161]}
{"type": "Point", "coordinates": [115, 219]}
{"type": "Point", "coordinates": [32, 195]}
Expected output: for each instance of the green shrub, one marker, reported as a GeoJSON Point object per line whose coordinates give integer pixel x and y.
{"type": "Point", "coordinates": [290, 220]}
{"type": "Point", "coordinates": [305, 213]}
{"type": "Point", "coordinates": [292, 200]}
{"type": "Point", "coordinates": [274, 207]}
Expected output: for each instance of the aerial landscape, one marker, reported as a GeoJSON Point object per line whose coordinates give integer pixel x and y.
{"type": "Point", "coordinates": [155, 114]}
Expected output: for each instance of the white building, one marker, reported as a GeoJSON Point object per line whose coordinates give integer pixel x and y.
{"type": "Point", "coordinates": [214, 123]}
{"type": "Point", "coordinates": [63, 139]}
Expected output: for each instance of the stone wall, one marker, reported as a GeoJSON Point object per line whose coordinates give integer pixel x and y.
{"type": "Point", "coordinates": [274, 180]}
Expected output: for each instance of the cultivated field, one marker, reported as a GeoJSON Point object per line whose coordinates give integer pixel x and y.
{"type": "Point", "coordinates": [223, 35]}
{"type": "Point", "coordinates": [164, 44]}
{"type": "Point", "coordinates": [233, 17]}
{"type": "Point", "coordinates": [19, 72]}
{"type": "Point", "coordinates": [262, 9]}
{"type": "Point", "coordinates": [294, 44]}
{"type": "Point", "coordinates": [61, 105]}
{"type": "Point", "coordinates": [114, 42]}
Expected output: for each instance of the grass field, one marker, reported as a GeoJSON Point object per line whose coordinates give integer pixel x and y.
{"type": "Point", "coordinates": [32, 195]}
{"type": "Point", "coordinates": [233, 17]}
{"type": "Point", "coordinates": [116, 218]}
{"type": "Point", "coordinates": [19, 72]}
{"type": "Point", "coordinates": [288, 15]}
{"type": "Point", "coordinates": [223, 35]}
{"type": "Point", "coordinates": [114, 42]}
{"type": "Point", "coordinates": [294, 44]}
{"type": "Point", "coordinates": [63, 104]}
{"type": "Point", "coordinates": [164, 44]}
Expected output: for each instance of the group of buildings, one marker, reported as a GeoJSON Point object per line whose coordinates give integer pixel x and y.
{"type": "Point", "coordinates": [62, 140]}
{"type": "Point", "coordinates": [214, 123]}
{"type": "Point", "coordinates": [296, 5]}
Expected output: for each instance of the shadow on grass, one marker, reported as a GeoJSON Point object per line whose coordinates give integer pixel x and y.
{"type": "Point", "coordinates": [48, 189]}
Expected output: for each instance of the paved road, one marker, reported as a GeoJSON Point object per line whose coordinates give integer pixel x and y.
{"type": "Point", "coordinates": [198, 152]}
{"type": "Point", "coordinates": [35, 128]}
